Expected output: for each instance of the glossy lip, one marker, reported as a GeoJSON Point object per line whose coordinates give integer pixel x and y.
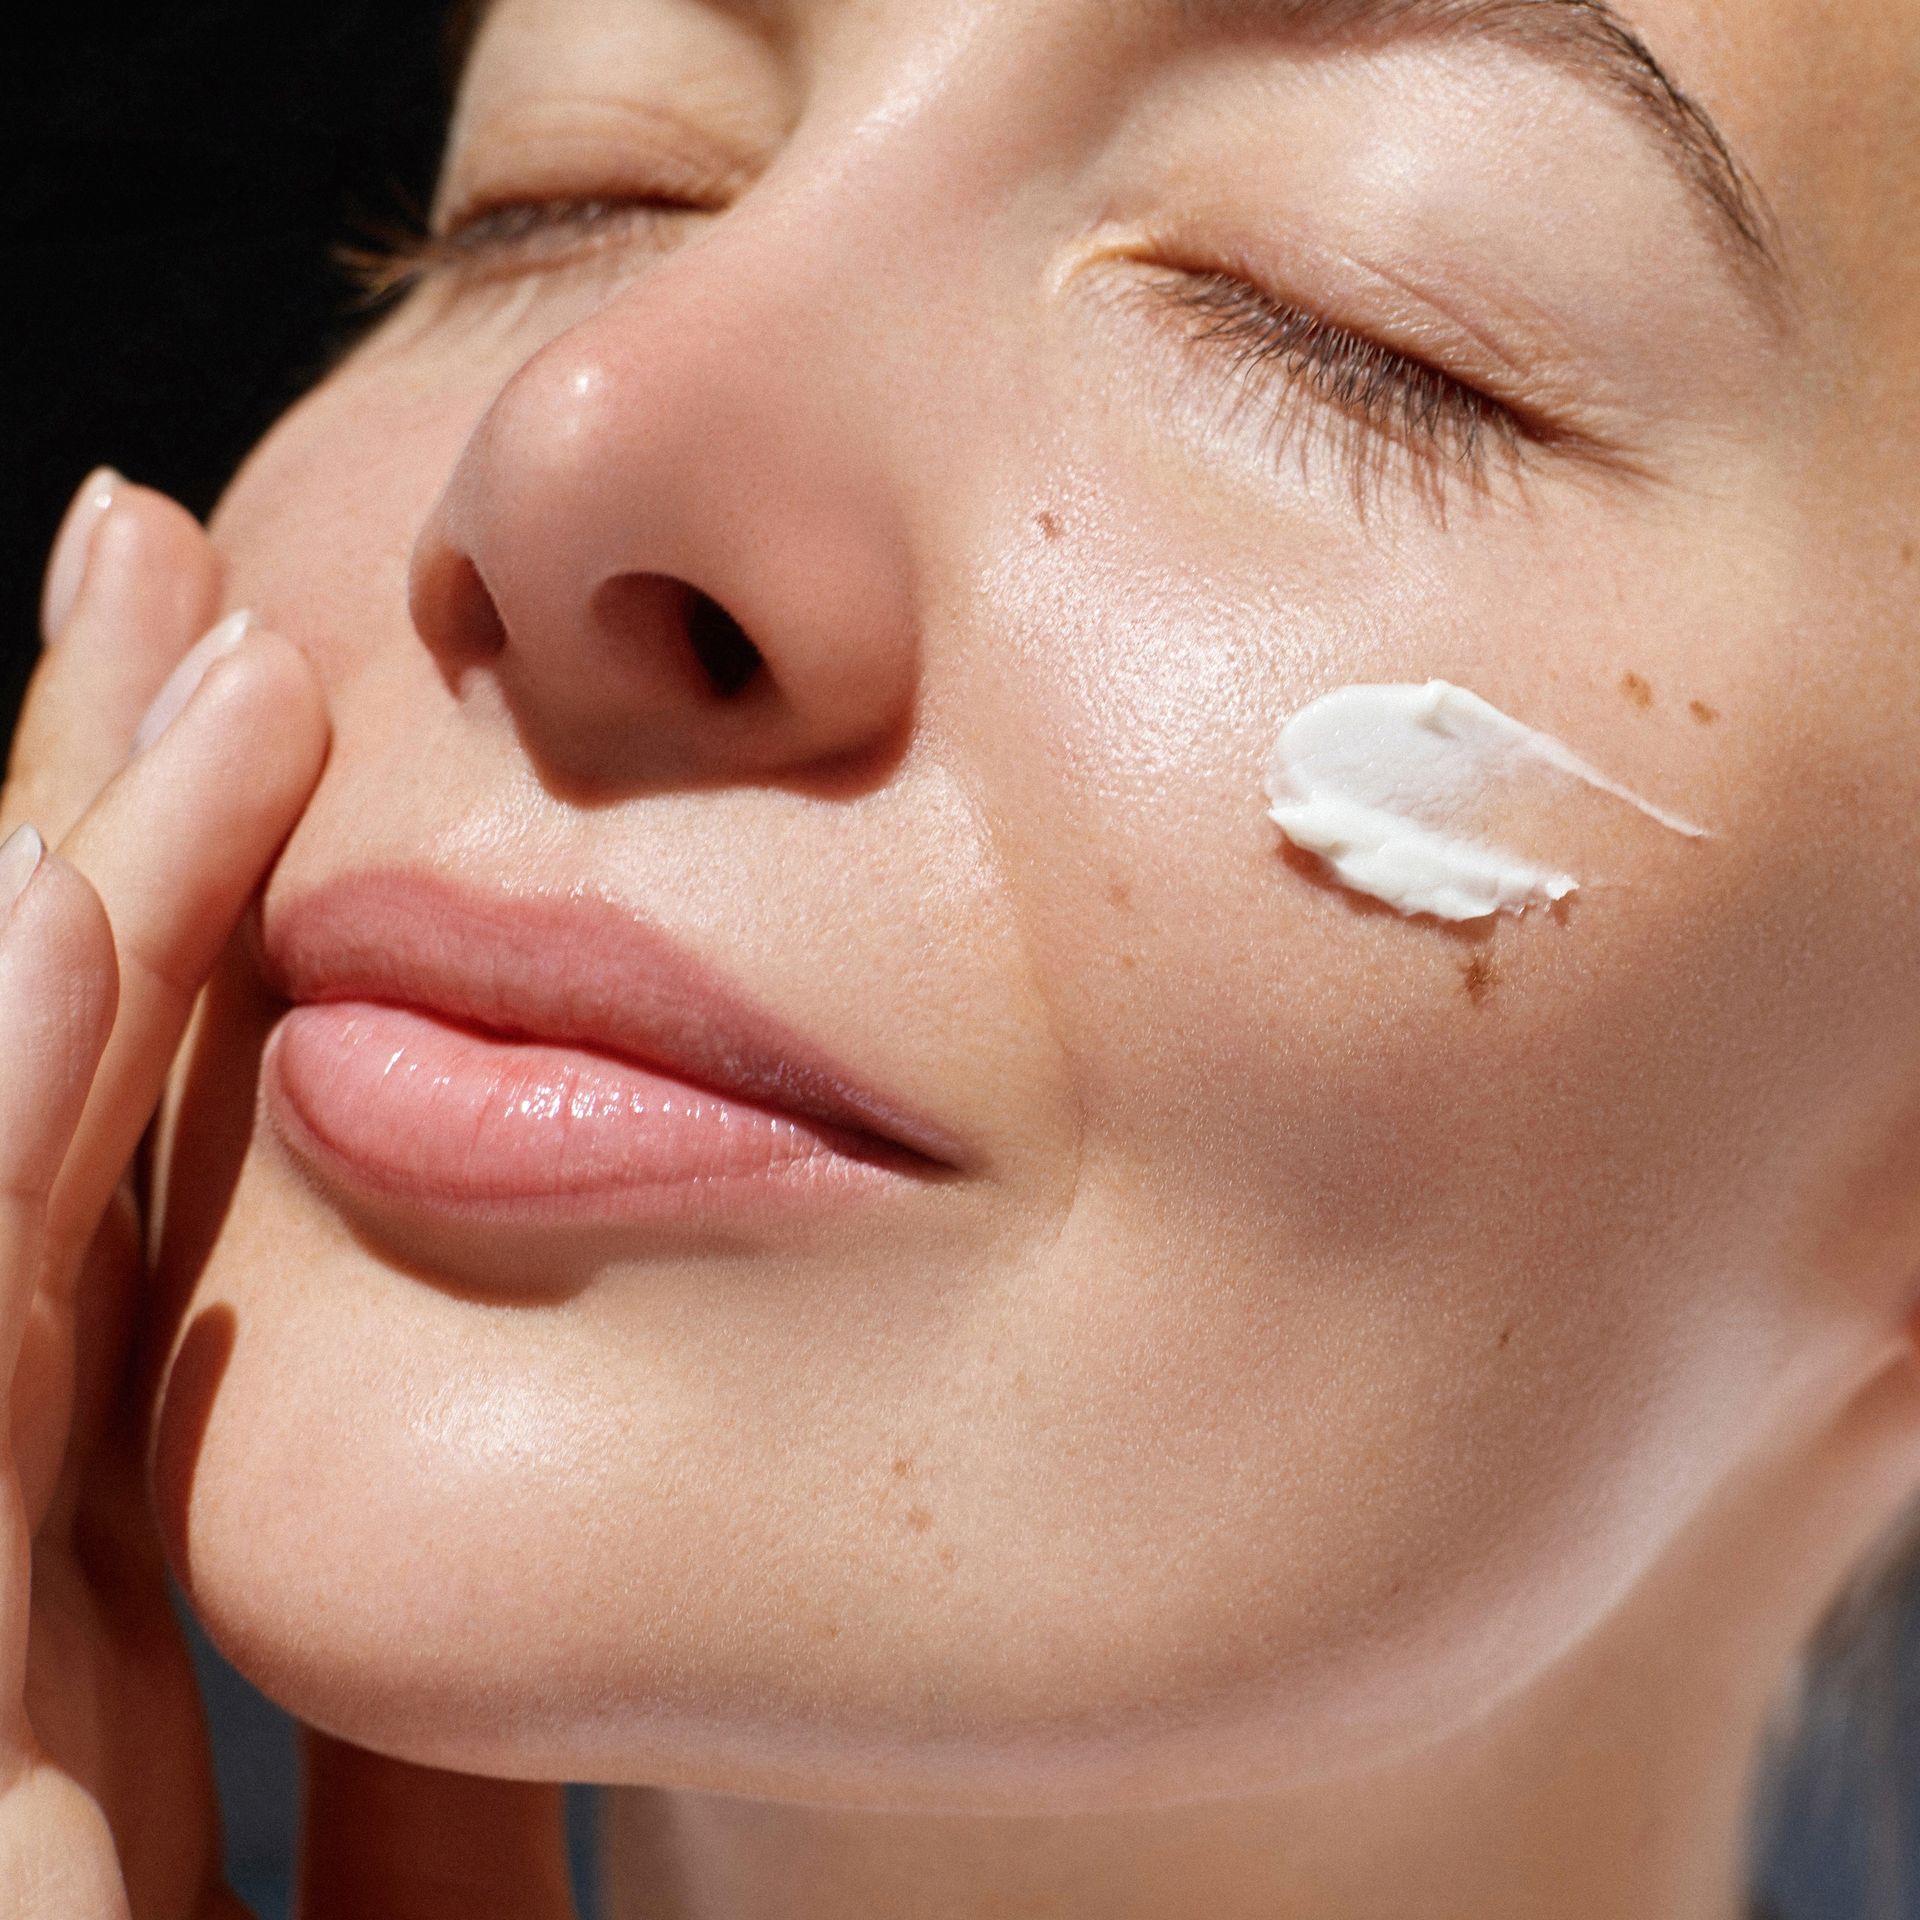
{"type": "Point", "coordinates": [577, 971]}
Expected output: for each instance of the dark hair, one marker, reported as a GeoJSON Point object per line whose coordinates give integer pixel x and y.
{"type": "Point", "coordinates": [1840, 1771]}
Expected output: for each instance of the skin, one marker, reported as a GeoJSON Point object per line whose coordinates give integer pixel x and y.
{"type": "Point", "coordinates": [1376, 1409]}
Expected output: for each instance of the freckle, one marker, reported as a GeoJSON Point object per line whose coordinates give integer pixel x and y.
{"type": "Point", "coordinates": [1506, 1334]}
{"type": "Point", "coordinates": [919, 1519]}
{"type": "Point", "coordinates": [1119, 894]}
{"type": "Point", "coordinates": [949, 1559]}
{"type": "Point", "coordinates": [1049, 524]}
{"type": "Point", "coordinates": [902, 1467]}
{"type": "Point", "coordinates": [1021, 1384]}
{"type": "Point", "coordinates": [1637, 690]}
{"type": "Point", "coordinates": [1705, 714]}
{"type": "Point", "coordinates": [1128, 963]}
{"type": "Point", "coordinates": [1906, 553]}
{"type": "Point", "coordinates": [831, 1631]}
{"type": "Point", "coordinates": [1479, 978]}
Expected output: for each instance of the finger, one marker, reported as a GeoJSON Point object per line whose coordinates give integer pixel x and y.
{"type": "Point", "coordinates": [56, 1011]}
{"type": "Point", "coordinates": [148, 586]}
{"type": "Point", "coordinates": [57, 1002]}
{"type": "Point", "coordinates": [72, 1363]}
{"type": "Point", "coordinates": [175, 847]}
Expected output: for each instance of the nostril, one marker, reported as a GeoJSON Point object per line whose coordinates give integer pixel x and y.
{"type": "Point", "coordinates": [454, 611]}
{"type": "Point", "coordinates": [727, 657]}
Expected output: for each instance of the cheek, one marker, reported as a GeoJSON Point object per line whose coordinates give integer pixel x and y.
{"type": "Point", "coordinates": [318, 526]}
{"type": "Point", "coordinates": [1359, 1078]}
{"type": "Point", "coordinates": [1454, 1262]}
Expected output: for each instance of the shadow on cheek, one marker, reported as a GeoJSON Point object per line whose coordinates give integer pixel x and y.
{"type": "Point", "coordinates": [199, 1365]}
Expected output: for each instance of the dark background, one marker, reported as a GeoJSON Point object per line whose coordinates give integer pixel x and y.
{"type": "Point", "coordinates": [177, 177]}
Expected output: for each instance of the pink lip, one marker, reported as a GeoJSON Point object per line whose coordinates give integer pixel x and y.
{"type": "Point", "coordinates": [551, 1057]}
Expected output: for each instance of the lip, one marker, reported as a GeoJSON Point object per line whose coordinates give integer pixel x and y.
{"type": "Point", "coordinates": [548, 1056]}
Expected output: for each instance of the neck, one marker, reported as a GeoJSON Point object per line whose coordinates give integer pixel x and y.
{"type": "Point", "coordinates": [1606, 1794]}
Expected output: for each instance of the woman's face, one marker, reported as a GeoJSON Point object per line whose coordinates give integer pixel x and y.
{"type": "Point", "coordinates": [1303, 1321]}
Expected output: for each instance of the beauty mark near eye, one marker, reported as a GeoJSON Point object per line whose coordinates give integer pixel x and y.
{"type": "Point", "coordinates": [1378, 781]}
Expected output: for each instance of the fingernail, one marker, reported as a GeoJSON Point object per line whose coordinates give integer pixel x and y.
{"type": "Point", "coordinates": [72, 547]}
{"type": "Point", "coordinates": [20, 860]}
{"type": "Point", "coordinates": [184, 681]}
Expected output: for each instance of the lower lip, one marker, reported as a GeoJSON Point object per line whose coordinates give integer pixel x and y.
{"type": "Point", "coordinates": [414, 1108]}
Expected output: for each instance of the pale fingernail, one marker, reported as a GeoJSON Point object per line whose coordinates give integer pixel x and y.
{"type": "Point", "coordinates": [20, 860]}
{"type": "Point", "coordinates": [72, 548]}
{"type": "Point", "coordinates": [184, 681]}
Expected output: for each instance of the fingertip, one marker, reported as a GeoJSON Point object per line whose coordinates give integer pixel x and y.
{"type": "Point", "coordinates": [151, 583]}
{"type": "Point", "coordinates": [72, 546]}
{"type": "Point", "coordinates": [20, 856]}
{"type": "Point", "coordinates": [282, 676]}
{"type": "Point", "coordinates": [249, 701]}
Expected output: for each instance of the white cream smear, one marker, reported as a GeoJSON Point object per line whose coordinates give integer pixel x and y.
{"type": "Point", "coordinates": [1376, 779]}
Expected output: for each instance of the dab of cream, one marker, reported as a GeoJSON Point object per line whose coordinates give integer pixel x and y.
{"type": "Point", "coordinates": [1375, 779]}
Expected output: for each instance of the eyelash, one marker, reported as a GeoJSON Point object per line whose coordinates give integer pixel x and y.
{"type": "Point", "coordinates": [497, 242]}
{"type": "Point", "coordinates": [1377, 400]}
{"type": "Point", "coordinates": [1389, 401]}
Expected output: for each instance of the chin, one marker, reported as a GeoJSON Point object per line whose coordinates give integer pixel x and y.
{"type": "Point", "coordinates": [513, 1618]}
{"type": "Point", "coordinates": [644, 1537]}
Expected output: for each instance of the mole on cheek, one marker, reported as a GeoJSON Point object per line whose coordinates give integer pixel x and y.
{"type": "Point", "coordinates": [1639, 691]}
{"type": "Point", "coordinates": [1479, 976]}
{"type": "Point", "coordinates": [1705, 714]}
{"type": "Point", "coordinates": [1049, 524]}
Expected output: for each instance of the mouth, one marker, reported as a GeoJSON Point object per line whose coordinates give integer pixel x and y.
{"type": "Point", "coordinates": [552, 1057]}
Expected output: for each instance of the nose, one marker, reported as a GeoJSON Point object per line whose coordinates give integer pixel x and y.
{"type": "Point", "coordinates": [671, 542]}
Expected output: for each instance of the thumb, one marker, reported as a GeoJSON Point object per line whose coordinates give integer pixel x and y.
{"type": "Point", "coordinates": [380, 1836]}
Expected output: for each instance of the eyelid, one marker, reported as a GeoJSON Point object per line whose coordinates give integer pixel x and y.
{"type": "Point", "coordinates": [1320, 382]}
{"type": "Point", "coordinates": [1533, 380]}
{"type": "Point", "coordinates": [584, 148]}
{"type": "Point", "coordinates": [512, 222]}
{"type": "Point", "coordinates": [1492, 338]}
{"type": "Point", "coordinates": [526, 237]}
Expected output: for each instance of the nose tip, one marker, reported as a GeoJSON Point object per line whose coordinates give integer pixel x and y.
{"type": "Point", "coordinates": [672, 556]}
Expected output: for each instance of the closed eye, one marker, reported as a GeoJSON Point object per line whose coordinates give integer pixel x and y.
{"type": "Point", "coordinates": [513, 237]}
{"type": "Point", "coordinates": [1392, 400]}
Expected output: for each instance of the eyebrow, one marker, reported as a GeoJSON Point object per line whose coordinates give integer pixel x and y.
{"type": "Point", "coordinates": [1587, 39]}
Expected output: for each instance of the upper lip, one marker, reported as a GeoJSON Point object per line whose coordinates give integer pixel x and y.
{"type": "Point", "coordinates": [571, 970]}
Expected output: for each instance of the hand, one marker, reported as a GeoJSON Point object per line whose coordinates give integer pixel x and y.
{"type": "Point", "coordinates": [106, 1799]}
{"type": "Point", "coordinates": [106, 1794]}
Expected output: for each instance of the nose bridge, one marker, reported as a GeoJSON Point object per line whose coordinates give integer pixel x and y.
{"type": "Point", "coordinates": [800, 324]}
